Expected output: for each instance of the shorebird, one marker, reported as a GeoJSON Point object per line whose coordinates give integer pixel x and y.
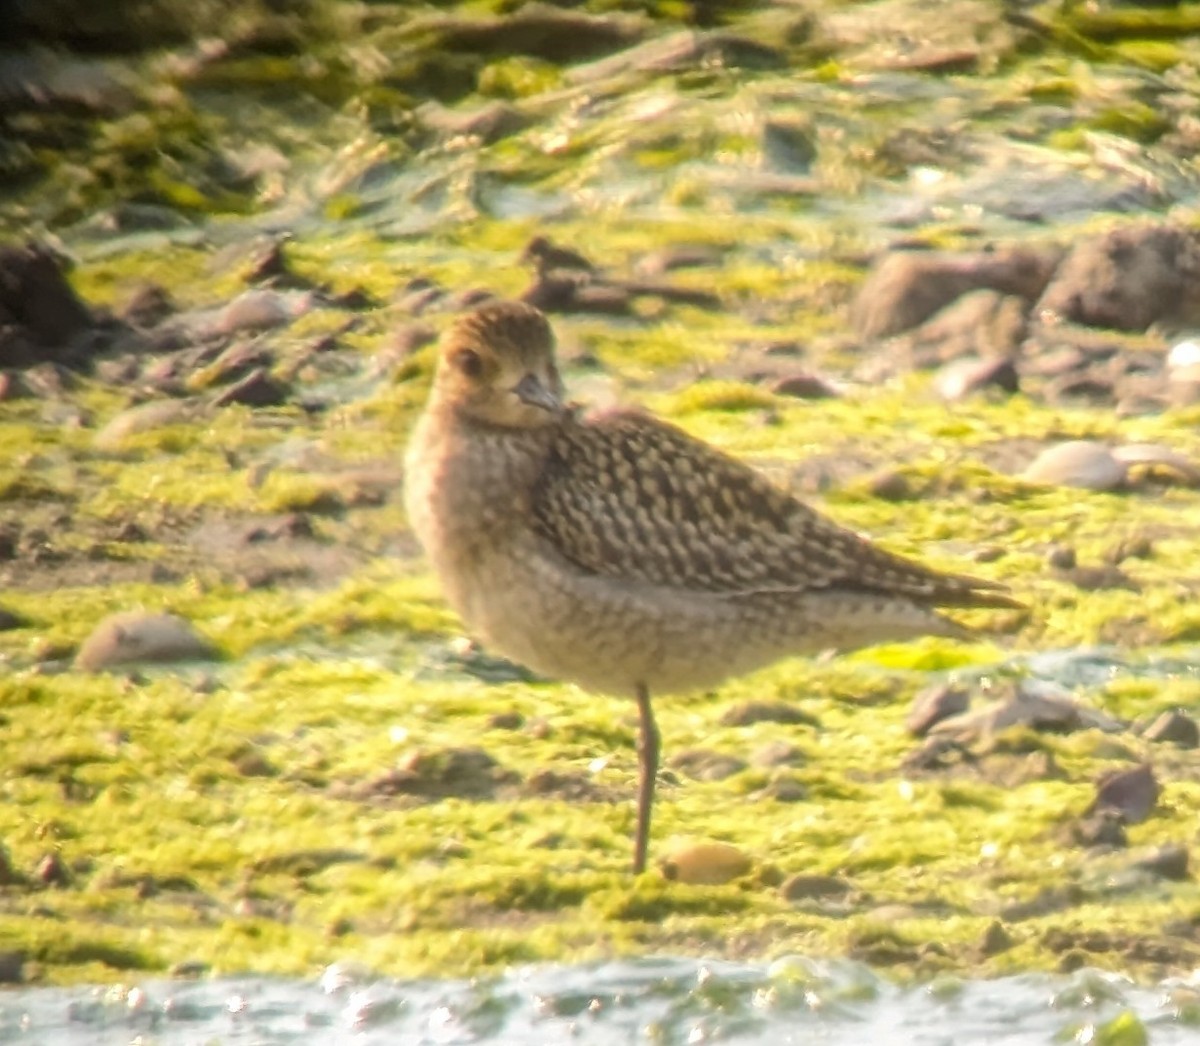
{"type": "Point", "coordinates": [619, 553]}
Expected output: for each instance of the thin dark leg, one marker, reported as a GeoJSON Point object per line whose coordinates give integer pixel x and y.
{"type": "Point", "coordinates": [649, 743]}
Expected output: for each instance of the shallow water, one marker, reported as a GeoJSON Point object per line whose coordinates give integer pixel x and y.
{"type": "Point", "coordinates": [792, 1000]}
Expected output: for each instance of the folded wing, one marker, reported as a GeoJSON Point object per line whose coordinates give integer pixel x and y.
{"type": "Point", "coordinates": [627, 496]}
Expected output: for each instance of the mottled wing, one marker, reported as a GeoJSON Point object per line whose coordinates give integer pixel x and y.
{"type": "Point", "coordinates": [625, 495]}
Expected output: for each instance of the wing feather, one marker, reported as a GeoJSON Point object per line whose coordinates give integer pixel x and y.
{"type": "Point", "coordinates": [625, 495]}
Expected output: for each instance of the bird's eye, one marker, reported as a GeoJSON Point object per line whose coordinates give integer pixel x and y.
{"type": "Point", "coordinates": [469, 362]}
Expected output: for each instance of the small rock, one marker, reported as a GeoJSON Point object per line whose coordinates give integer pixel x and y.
{"type": "Point", "coordinates": [891, 486]}
{"type": "Point", "coordinates": [805, 386]}
{"type": "Point", "coordinates": [1036, 705]}
{"type": "Point", "coordinates": [1077, 463]}
{"type": "Point", "coordinates": [784, 788]}
{"type": "Point", "coordinates": [51, 871]}
{"type": "Point", "coordinates": [778, 753]}
{"type": "Point", "coordinates": [1131, 793]}
{"type": "Point", "coordinates": [256, 310]}
{"type": "Point", "coordinates": [1127, 279]}
{"type": "Point", "coordinates": [934, 704]}
{"type": "Point", "coordinates": [963, 378]}
{"type": "Point", "coordinates": [134, 636]}
{"type": "Point", "coordinates": [147, 306]}
{"type": "Point", "coordinates": [1061, 557]}
{"type": "Point", "coordinates": [906, 288]}
{"type": "Point", "coordinates": [188, 968]}
{"type": "Point", "coordinates": [256, 389]}
{"type": "Point", "coordinates": [1169, 861]}
{"type": "Point", "coordinates": [506, 721]}
{"type": "Point", "coordinates": [814, 887]}
{"type": "Point", "coordinates": [996, 939]}
{"type": "Point", "coordinates": [545, 255]}
{"type": "Point", "coordinates": [1174, 726]}
{"type": "Point", "coordinates": [705, 864]}
{"type": "Point", "coordinates": [10, 619]}
{"type": "Point", "coordinates": [12, 967]}
{"type": "Point", "coordinates": [747, 713]}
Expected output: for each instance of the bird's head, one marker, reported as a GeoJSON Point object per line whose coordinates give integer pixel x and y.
{"type": "Point", "coordinates": [496, 366]}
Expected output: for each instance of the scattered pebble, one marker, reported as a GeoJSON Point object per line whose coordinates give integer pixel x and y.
{"type": "Point", "coordinates": [256, 310]}
{"type": "Point", "coordinates": [1077, 463]}
{"type": "Point", "coordinates": [704, 864]}
{"type": "Point", "coordinates": [747, 713]}
{"type": "Point", "coordinates": [814, 887]}
{"type": "Point", "coordinates": [1131, 793]}
{"type": "Point", "coordinates": [1176, 727]}
{"type": "Point", "coordinates": [963, 378]}
{"type": "Point", "coordinates": [996, 939]}
{"type": "Point", "coordinates": [934, 704]}
{"type": "Point", "coordinates": [133, 636]}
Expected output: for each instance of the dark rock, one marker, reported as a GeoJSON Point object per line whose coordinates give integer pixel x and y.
{"type": "Point", "coordinates": [788, 145]}
{"type": "Point", "coordinates": [1176, 727]}
{"type": "Point", "coordinates": [12, 967]}
{"type": "Point", "coordinates": [538, 29]}
{"type": "Point", "coordinates": [814, 887]}
{"type": "Point", "coordinates": [10, 619]}
{"type": "Point", "coordinates": [891, 485]}
{"type": "Point", "coordinates": [547, 256]}
{"type": "Point", "coordinates": [1101, 578]}
{"type": "Point", "coordinates": [1061, 557]}
{"type": "Point", "coordinates": [256, 389]}
{"type": "Point", "coordinates": [934, 704]}
{"type": "Point", "coordinates": [907, 287]}
{"type": "Point", "coordinates": [996, 939]}
{"type": "Point", "coordinates": [802, 385]}
{"type": "Point", "coordinates": [35, 294]}
{"type": "Point", "coordinates": [506, 721]}
{"type": "Point", "coordinates": [560, 291]}
{"type": "Point", "coordinates": [1131, 793]}
{"type": "Point", "coordinates": [51, 871]}
{"type": "Point", "coordinates": [1129, 278]}
{"type": "Point", "coordinates": [238, 360]}
{"type": "Point", "coordinates": [966, 377]}
{"type": "Point", "coordinates": [148, 306]}
{"type": "Point", "coordinates": [784, 788]}
{"type": "Point", "coordinates": [747, 713]}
